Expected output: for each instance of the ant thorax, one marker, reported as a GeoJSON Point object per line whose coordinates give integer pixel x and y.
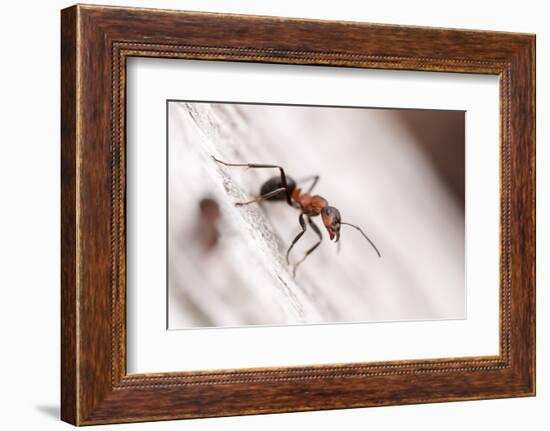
{"type": "Point", "coordinates": [311, 204]}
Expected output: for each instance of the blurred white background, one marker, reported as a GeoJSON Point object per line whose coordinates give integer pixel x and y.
{"type": "Point", "coordinates": [29, 222]}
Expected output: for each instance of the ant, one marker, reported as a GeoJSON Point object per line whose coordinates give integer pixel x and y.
{"type": "Point", "coordinates": [284, 188]}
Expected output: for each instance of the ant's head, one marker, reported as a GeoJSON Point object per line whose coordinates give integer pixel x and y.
{"type": "Point", "coordinates": [332, 221]}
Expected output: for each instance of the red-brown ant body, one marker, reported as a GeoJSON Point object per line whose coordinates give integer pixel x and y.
{"type": "Point", "coordinates": [284, 188]}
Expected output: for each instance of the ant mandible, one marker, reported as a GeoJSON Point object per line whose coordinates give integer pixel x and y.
{"type": "Point", "coordinates": [284, 188]}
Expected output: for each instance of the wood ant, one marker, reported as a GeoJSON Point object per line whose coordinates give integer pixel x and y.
{"type": "Point", "coordinates": [284, 188]}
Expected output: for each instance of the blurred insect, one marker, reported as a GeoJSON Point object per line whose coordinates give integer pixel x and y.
{"type": "Point", "coordinates": [207, 224]}
{"type": "Point", "coordinates": [284, 188]}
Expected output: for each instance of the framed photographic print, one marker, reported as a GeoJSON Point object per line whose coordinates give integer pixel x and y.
{"type": "Point", "coordinates": [264, 215]}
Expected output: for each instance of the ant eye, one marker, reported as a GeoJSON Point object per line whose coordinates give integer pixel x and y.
{"type": "Point", "coordinates": [332, 214]}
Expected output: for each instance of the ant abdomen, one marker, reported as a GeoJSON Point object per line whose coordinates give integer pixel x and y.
{"type": "Point", "coordinates": [276, 183]}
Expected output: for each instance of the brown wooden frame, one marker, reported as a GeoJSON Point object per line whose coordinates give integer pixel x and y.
{"type": "Point", "coordinates": [95, 43]}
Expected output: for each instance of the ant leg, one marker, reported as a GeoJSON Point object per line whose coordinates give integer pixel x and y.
{"type": "Point", "coordinates": [315, 179]}
{"type": "Point", "coordinates": [256, 165]}
{"type": "Point", "coordinates": [318, 232]}
{"type": "Point", "coordinates": [261, 198]}
{"type": "Point", "coordinates": [304, 228]}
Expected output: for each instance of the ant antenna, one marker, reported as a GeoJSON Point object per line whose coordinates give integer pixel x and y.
{"type": "Point", "coordinates": [366, 237]}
